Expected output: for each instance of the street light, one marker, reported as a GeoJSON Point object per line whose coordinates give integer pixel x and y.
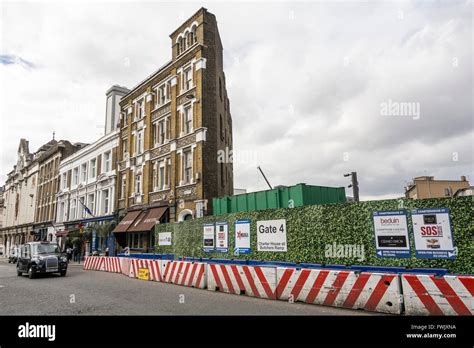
{"type": "Point", "coordinates": [354, 185]}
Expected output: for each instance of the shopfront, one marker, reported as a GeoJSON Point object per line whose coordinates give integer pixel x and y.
{"type": "Point", "coordinates": [136, 229]}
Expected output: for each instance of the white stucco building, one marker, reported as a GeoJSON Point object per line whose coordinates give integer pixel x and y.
{"type": "Point", "coordinates": [87, 183]}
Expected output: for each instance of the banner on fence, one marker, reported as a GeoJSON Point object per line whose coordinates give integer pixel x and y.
{"type": "Point", "coordinates": [432, 233]}
{"type": "Point", "coordinates": [391, 233]}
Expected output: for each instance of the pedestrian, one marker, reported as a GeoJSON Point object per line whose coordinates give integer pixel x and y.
{"type": "Point", "coordinates": [69, 254]}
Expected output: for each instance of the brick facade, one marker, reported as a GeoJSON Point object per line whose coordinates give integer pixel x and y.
{"type": "Point", "coordinates": [172, 126]}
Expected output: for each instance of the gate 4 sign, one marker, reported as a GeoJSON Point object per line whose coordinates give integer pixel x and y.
{"type": "Point", "coordinates": [208, 237]}
{"type": "Point", "coordinates": [271, 235]}
{"type": "Point", "coordinates": [221, 237]}
{"type": "Point", "coordinates": [242, 237]}
{"type": "Point", "coordinates": [391, 233]}
{"type": "Point", "coordinates": [432, 231]}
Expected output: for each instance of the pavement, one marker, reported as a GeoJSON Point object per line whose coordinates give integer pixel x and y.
{"type": "Point", "coordinates": [100, 293]}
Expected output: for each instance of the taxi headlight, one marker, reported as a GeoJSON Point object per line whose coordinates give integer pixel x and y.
{"type": "Point", "coordinates": [63, 259]}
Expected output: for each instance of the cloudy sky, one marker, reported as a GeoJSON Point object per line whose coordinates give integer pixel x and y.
{"type": "Point", "coordinates": [309, 83]}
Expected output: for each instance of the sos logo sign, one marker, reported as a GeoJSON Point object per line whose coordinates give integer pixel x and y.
{"type": "Point", "coordinates": [431, 231]}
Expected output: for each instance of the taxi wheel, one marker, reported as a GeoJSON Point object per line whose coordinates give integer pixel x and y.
{"type": "Point", "coordinates": [63, 273]}
{"type": "Point", "coordinates": [31, 274]}
{"type": "Point", "coordinates": [18, 273]}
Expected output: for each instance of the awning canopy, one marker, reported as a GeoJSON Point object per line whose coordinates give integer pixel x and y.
{"type": "Point", "coordinates": [147, 220]}
{"type": "Point", "coordinates": [127, 221]}
{"type": "Point", "coordinates": [62, 233]}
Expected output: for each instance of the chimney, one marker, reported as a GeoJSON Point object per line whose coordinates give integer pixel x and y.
{"type": "Point", "coordinates": [112, 110]}
{"type": "Point", "coordinates": [463, 178]}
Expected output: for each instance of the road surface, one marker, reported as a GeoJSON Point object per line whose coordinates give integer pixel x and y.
{"type": "Point", "coordinates": [101, 293]}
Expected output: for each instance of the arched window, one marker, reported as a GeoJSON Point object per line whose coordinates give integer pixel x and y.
{"type": "Point", "coordinates": [178, 46]}
{"type": "Point", "coordinates": [190, 38]}
{"type": "Point", "coordinates": [193, 35]}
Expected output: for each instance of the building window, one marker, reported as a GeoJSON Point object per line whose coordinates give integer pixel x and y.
{"type": "Point", "coordinates": [162, 132]}
{"type": "Point", "coordinates": [161, 175]}
{"type": "Point", "coordinates": [61, 211]}
{"type": "Point", "coordinates": [63, 180]}
{"type": "Point", "coordinates": [105, 201]}
{"type": "Point", "coordinates": [164, 93]}
{"type": "Point", "coordinates": [124, 148]}
{"type": "Point", "coordinates": [139, 143]}
{"type": "Point", "coordinates": [188, 78]}
{"type": "Point", "coordinates": [154, 176]}
{"type": "Point", "coordinates": [168, 175]}
{"type": "Point", "coordinates": [75, 176]}
{"type": "Point", "coordinates": [107, 161]}
{"type": "Point", "coordinates": [138, 184]}
{"type": "Point", "coordinates": [72, 211]}
{"type": "Point", "coordinates": [124, 186]}
{"type": "Point", "coordinates": [84, 172]}
{"type": "Point", "coordinates": [93, 168]}
{"type": "Point", "coordinates": [188, 120]}
{"type": "Point", "coordinates": [188, 166]}
{"type": "Point", "coordinates": [82, 209]}
{"type": "Point", "coordinates": [140, 109]}
{"type": "Point", "coordinates": [91, 202]}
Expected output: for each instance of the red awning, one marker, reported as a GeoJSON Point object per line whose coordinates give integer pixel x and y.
{"type": "Point", "coordinates": [147, 220]}
{"type": "Point", "coordinates": [127, 221]}
{"type": "Point", "coordinates": [62, 233]}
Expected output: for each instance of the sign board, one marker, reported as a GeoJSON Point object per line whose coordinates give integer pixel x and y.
{"type": "Point", "coordinates": [164, 238]}
{"type": "Point", "coordinates": [391, 233]}
{"type": "Point", "coordinates": [271, 235]}
{"type": "Point", "coordinates": [432, 232]}
{"type": "Point", "coordinates": [242, 237]}
{"type": "Point", "coordinates": [144, 274]}
{"type": "Point", "coordinates": [222, 237]}
{"type": "Point", "coordinates": [208, 237]}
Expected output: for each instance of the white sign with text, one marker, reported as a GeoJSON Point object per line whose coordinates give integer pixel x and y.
{"type": "Point", "coordinates": [271, 235]}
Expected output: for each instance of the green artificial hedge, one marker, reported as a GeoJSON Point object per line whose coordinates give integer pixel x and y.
{"type": "Point", "coordinates": [311, 228]}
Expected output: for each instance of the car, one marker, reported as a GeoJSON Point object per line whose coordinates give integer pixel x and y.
{"type": "Point", "coordinates": [41, 257]}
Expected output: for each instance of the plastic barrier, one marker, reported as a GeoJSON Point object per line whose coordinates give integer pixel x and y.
{"type": "Point", "coordinates": [431, 295]}
{"type": "Point", "coordinates": [94, 263]}
{"type": "Point", "coordinates": [255, 281]}
{"type": "Point", "coordinates": [149, 256]}
{"type": "Point", "coordinates": [154, 267]}
{"type": "Point", "coordinates": [112, 264]}
{"type": "Point", "coordinates": [186, 273]}
{"type": "Point", "coordinates": [340, 288]}
{"type": "Point", "coordinates": [125, 265]}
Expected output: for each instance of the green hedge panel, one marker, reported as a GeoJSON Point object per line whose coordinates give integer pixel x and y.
{"type": "Point", "coordinates": [311, 228]}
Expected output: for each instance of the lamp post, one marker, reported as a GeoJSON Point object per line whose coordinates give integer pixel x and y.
{"type": "Point", "coordinates": [354, 185]}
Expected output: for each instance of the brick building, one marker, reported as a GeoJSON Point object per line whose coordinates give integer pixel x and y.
{"type": "Point", "coordinates": [172, 127]}
{"type": "Point", "coordinates": [48, 158]}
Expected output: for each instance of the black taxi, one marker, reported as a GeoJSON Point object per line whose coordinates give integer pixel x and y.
{"type": "Point", "coordinates": [41, 257]}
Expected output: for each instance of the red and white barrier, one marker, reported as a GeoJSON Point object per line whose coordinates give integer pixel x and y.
{"type": "Point", "coordinates": [112, 264]}
{"type": "Point", "coordinates": [186, 273]}
{"type": "Point", "coordinates": [369, 291]}
{"type": "Point", "coordinates": [125, 265]}
{"type": "Point", "coordinates": [94, 263]}
{"type": "Point", "coordinates": [255, 281]}
{"type": "Point", "coordinates": [430, 295]}
{"type": "Point", "coordinates": [155, 268]}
